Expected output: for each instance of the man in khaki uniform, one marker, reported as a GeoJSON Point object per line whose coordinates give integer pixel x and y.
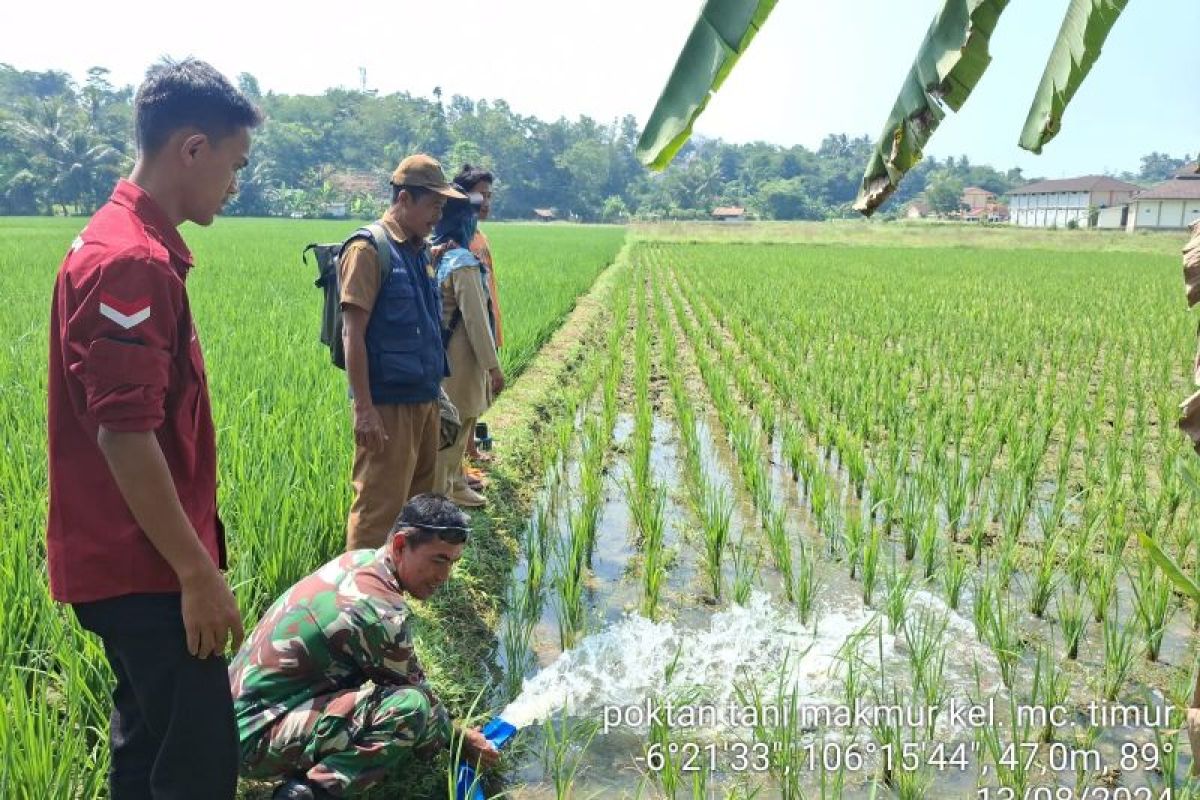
{"type": "Point", "coordinates": [394, 356]}
{"type": "Point", "coordinates": [469, 324]}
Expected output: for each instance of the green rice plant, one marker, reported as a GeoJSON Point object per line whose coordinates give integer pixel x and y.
{"type": "Point", "coordinates": [1006, 560]}
{"type": "Point", "coordinates": [870, 563]}
{"type": "Point", "coordinates": [779, 733]}
{"type": "Point", "coordinates": [915, 782]}
{"type": "Point", "coordinates": [745, 568]}
{"type": "Point", "coordinates": [1102, 587]}
{"type": "Point", "coordinates": [715, 518]}
{"type": "Point", "coordinates": [954, 486]}
{"type": "Point", "coordinates": [515, 634]}
{"type": "Point", "coordinates": [830, 526]}
{"type": "Point", "coordinates": [924, 633]}
{"type": "Point", "coordinates": [807, 584]}
{"type": "Point", "coordinates": [565, 745]}
{"type": "Point", "coordinates": [1078, 561]}
{"type": "Point", "coordinates": [954, 576]}
{"type": "Point", "coordinates": [1050, 689]}
{"type": "Point", "coordinates": [1151, 603]}
{"type": "Point", "coordinates": [1045, 577]}
{"type": "Point", "coordinates": [1000, 632]}
{"type": "Point", "coordinates": [1119, 655]}
{"type": "Point", "coordinates": [780, 545]}
{"type": "Point", "coordinates": [1167, 747]}
{"type": "Point", "coordinates": [570, 583]}
{"type": "Point", "coordinates": [977, 535]}
{"type": "Point", "coordinates": [929, 545]}
{"type": "Point", "coordinates": [1072, 618]}
{"type": "Point", "coordinates": [653, 525]}
{"type": "Point", "coordinates": [1010, 758]}
{"type": "Point", "coordinates": [854, 539]}
{"type": "Point", "coordinates": [899, 588]}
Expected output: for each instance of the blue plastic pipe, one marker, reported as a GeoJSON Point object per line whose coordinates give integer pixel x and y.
{"type": "Point", "coordinates": [499, 733]}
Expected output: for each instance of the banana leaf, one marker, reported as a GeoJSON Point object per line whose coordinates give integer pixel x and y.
{"type": "Point", "coordinates": [951, 60]}
{"type": "Point", "coordinates": [1182, 582]}
{"type": "Point", "coordinates": [718, 39]}
{"type": "Point", "coordinates": [1084, 29]}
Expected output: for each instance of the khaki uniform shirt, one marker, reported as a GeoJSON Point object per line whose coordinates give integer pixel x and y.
{"type": "Point", "coordinates": [471, 350]}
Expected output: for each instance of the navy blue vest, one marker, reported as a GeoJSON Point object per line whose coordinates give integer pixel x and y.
{"type": "Point", "coordinates": [404, 334]}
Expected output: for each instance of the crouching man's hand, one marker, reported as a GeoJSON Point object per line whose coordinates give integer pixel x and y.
{"type": "Point", "coordinates": [478, 750]}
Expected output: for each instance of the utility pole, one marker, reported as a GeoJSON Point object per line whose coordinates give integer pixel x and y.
{"type": "Point", "coordinates": [362, 79]}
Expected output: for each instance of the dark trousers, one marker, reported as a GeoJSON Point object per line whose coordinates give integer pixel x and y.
{"type": "Point", "coordinates": [172, 731]}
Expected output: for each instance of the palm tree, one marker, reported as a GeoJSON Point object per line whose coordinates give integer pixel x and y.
{"type": "Point", "coordinates": [71, 161]}
{"type": "Point", "coordinates": [949, 63]}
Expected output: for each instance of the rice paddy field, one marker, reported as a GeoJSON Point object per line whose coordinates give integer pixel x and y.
{"type": "Point", "coordinates": [790, 512]}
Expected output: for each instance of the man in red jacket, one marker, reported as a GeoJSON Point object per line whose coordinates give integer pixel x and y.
{"type": "Point", "coordinates": [133, 538]}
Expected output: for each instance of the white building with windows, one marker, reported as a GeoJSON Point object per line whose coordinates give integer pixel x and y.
{"type": "Point", "coordinates": [1171, 205]}
{"type": "Point", "coordinates": [1054, 204]}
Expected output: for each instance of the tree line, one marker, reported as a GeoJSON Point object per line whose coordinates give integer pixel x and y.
{"type": "Point", "coordinates": [63, 144]}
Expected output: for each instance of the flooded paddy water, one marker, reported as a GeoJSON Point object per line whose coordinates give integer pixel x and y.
{"type": "Point", "coordinates": [848, 661]}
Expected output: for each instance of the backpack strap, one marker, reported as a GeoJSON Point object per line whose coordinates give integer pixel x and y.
{"type": "Point", "coordinates": [382, 249]}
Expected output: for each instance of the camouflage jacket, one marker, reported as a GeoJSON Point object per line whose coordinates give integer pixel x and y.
{"type": "Point", "coordinates": [343, 625]}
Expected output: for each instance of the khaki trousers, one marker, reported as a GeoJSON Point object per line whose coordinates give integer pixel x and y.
{"type": "Point", "coordinates": [449, 476]}
{"type": "Point", "coordinates": [385, 480]}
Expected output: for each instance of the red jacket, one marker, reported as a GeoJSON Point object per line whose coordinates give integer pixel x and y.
{"type": "Point", "coordinates": [124, 354]}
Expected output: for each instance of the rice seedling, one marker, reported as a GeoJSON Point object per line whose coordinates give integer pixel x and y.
{"type": "Point", "coordinates": [745, 568]}
{"type": "Point", "coordinates": [652, 524]}
{"type": "Point", "coordinates": [515, 634]}
{"type": "Point", "coordinates": [781, 549]}
{"type": "Point", "coordinates": [1049, 690]}
{"type": "Point", "coordinates": [924, 633]}
{"type": "Point", "coordinates": [778, 733]}
{"type": "Point", "coordinates": [899, 588]}
{"type": "Point", "coordinates": [1072, 618]}
{"type": "Point", "coordinates": [954, 576]}
{"type": "Point", "coordinates": [1151, 604]}
{"type": "Point", "coordinates": [1044, 580]}
{"type": "Point", "coordinates": [1000, 632]}
{"type": "Point", "coordinates": [870, 563]}
{"type": "Point", "coordinates": [1012, 759]}
{"type": "Point", "coordinates": [1102, 587]}
{"type": "Point", "coordinates": [1119, 655]}
{"type": "Point", "coordinates": [807, 585]}
{"type": "Point", "coordinates": [929, 545]}
{"type": "Point", "coordinates": [854, 538]}
{"type": "Point", "coordinates": [565, 744]}
{"type": "Point", "coordinates": [715, 519]}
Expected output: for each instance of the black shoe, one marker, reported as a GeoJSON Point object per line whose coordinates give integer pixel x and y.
{"type": "Point", "coordinates": [300, 789]}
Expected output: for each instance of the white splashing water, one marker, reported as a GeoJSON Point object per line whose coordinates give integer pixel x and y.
{"type": "Point", "coordinates": [629, 663]}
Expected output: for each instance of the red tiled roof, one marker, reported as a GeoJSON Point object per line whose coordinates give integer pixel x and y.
{"type": "Point", "coordinates": [1088, 183]}
{"type": "Point", "coordinates": [728, 211]}
{"type": "Point", "coordinates": [1181, 188]}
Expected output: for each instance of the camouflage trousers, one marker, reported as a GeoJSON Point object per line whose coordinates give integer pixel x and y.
{"type": "Point", "coordinates": [348, 740]}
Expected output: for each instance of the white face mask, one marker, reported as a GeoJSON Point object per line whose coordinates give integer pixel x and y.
{"type": "Point", "coordinates": [476, 199]}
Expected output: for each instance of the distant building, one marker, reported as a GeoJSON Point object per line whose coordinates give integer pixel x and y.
{"type": "Point", "coordinates": [729, 214]}
{"type": "Point", "coordinates": [1172, 204]}
{"type": "Point", "coordinates": [544, 214]}
{"type": "Point", "coordinates": [1054, 204]}
{"type": "Point", "coordinates": [917, 209]}
{"type": "Point", "coordinates": [1112, 218]}
{"type": "Point", "coordinates": [975, 198]}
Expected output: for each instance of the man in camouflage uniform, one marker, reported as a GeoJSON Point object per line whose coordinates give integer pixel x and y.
{"type": "Point", "coordinates": [328, 693]}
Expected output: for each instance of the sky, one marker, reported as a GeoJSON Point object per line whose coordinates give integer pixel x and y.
{"type": "Point", "coordinates": [818, 67]}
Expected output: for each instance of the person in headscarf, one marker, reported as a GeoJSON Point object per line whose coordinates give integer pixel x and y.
{"type": "Point", "coordinates": [477, 183]}
{"type": "Point", "coordinates": [469, 333]}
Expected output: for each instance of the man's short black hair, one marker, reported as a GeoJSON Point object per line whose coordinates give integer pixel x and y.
{"type": "Point", "coordinates": [469, 176]}
{"type": "Point", "coordinates": [428, 509]}
{"type": "Point", "coordinates": [415, 192]}
{"type": "Point", "coordinates": [189, 94]}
